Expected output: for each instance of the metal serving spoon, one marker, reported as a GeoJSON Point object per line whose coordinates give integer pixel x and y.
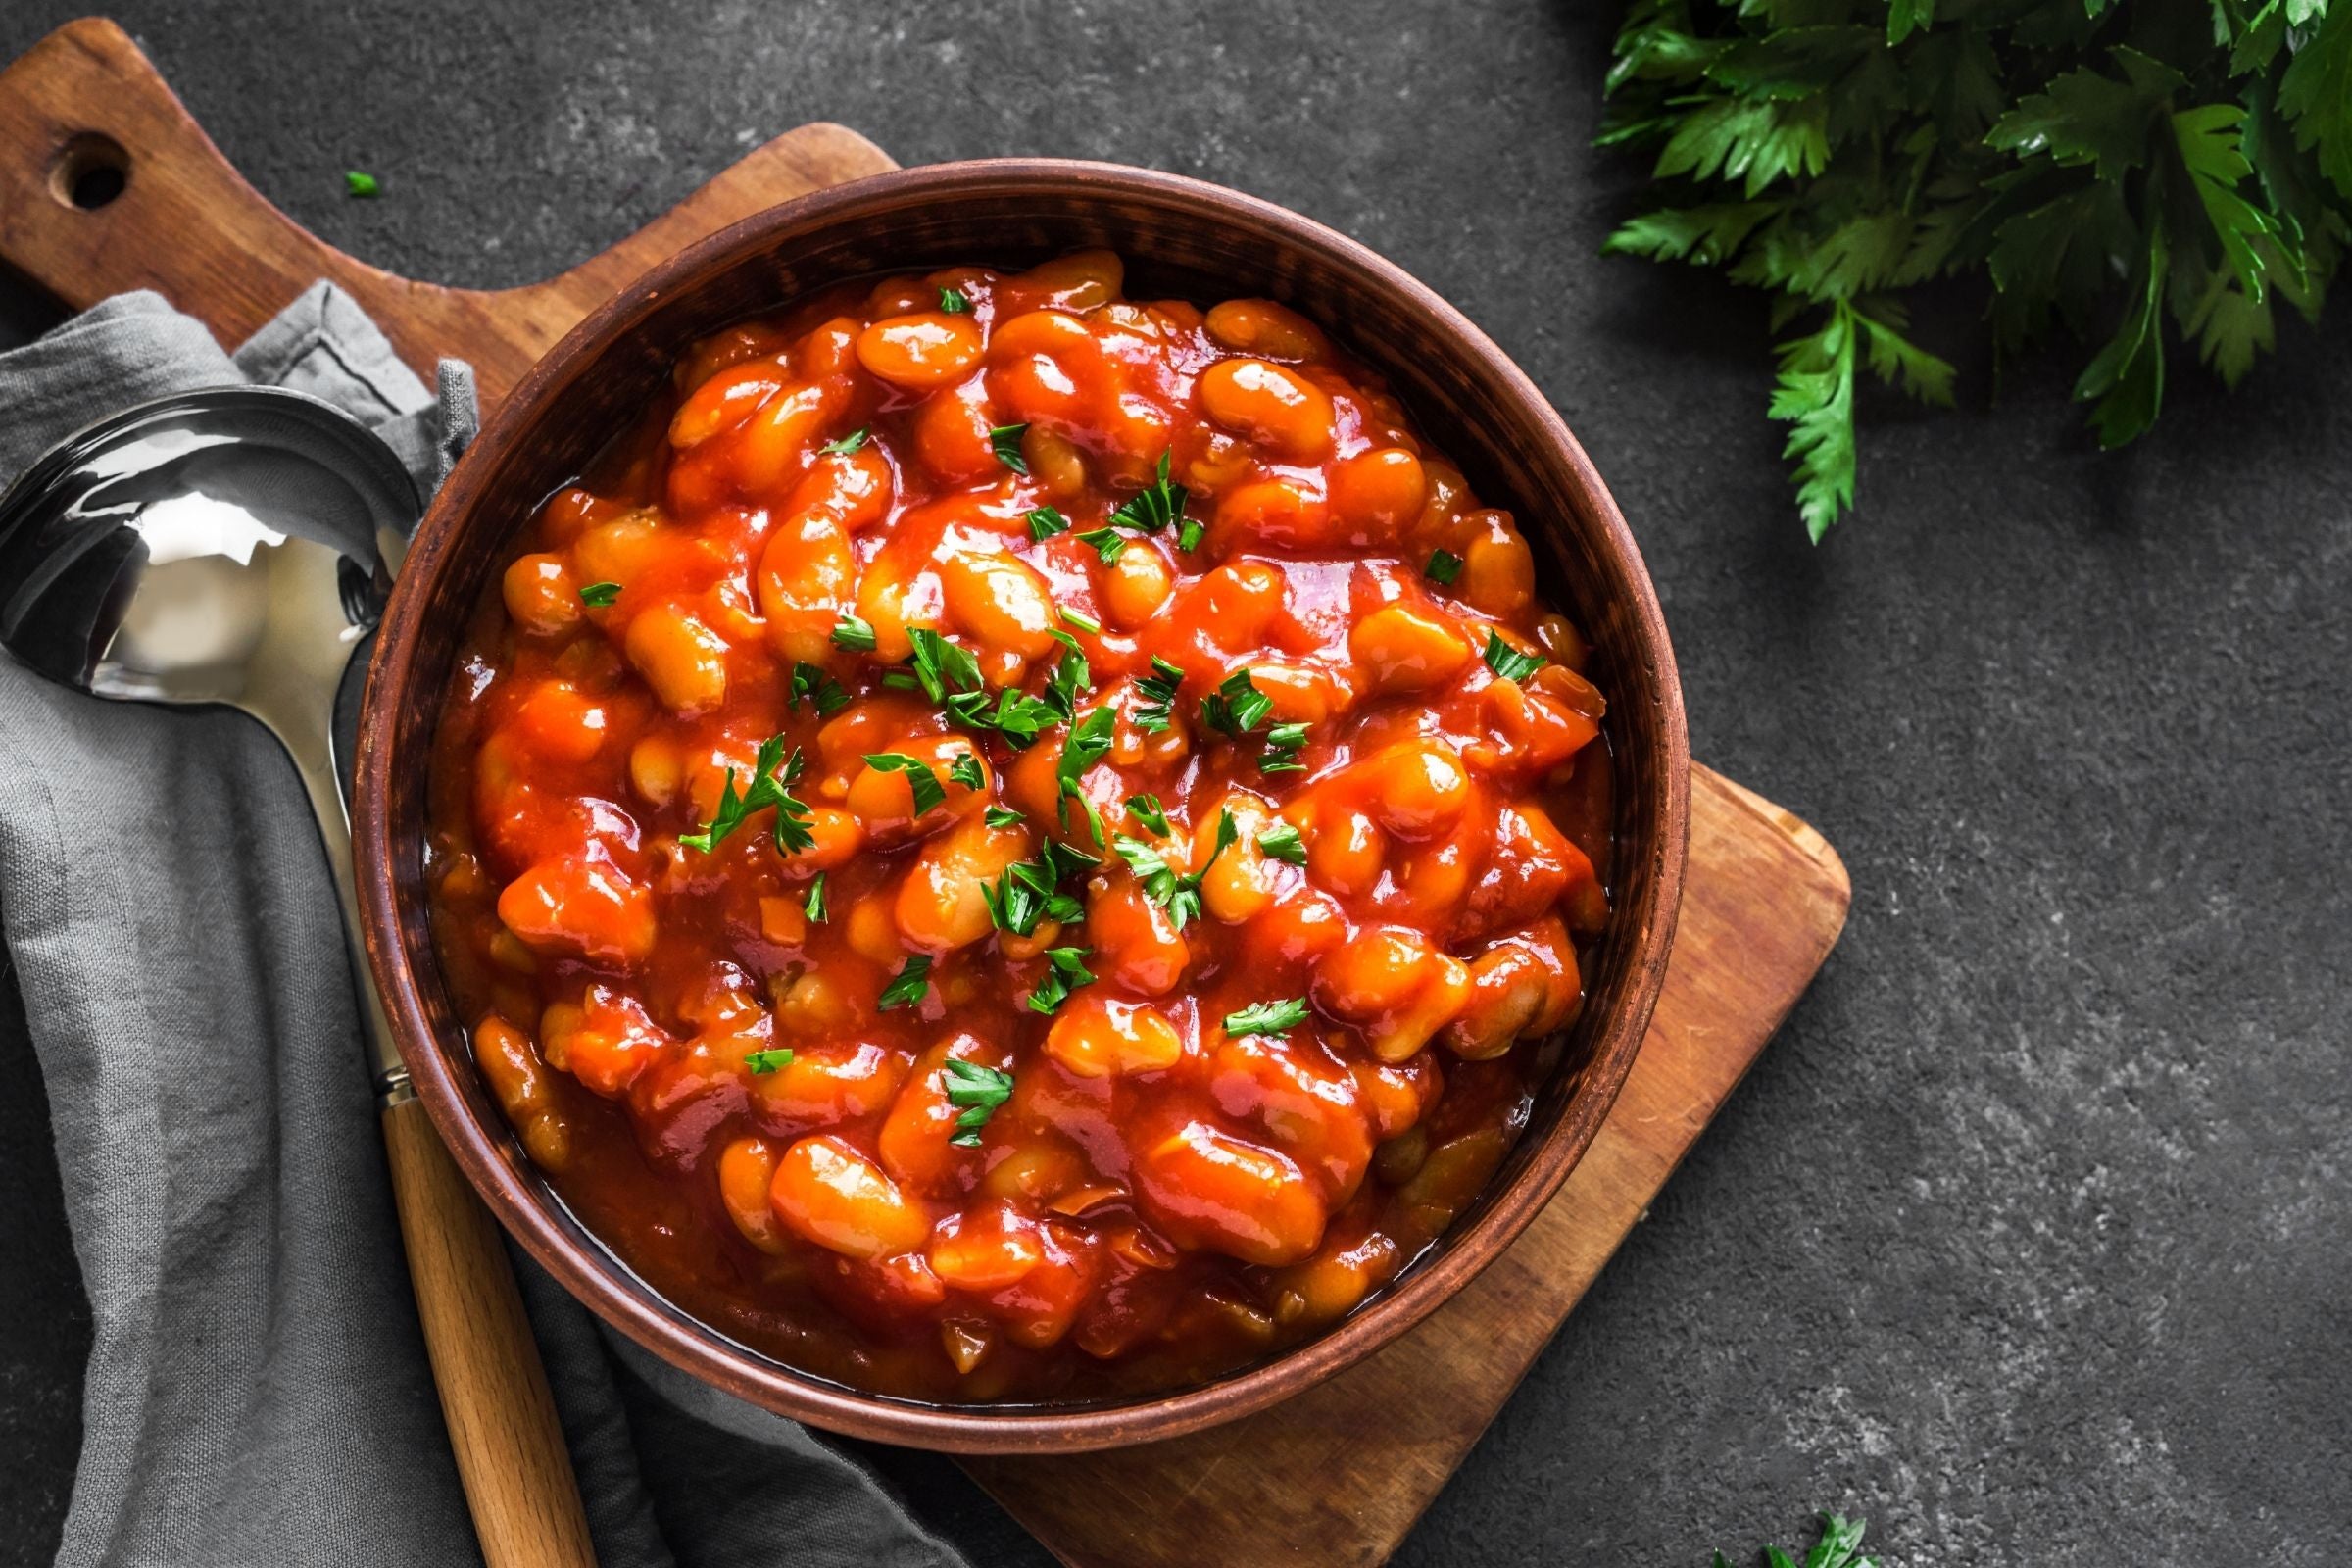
{"type": "Point", "coordinates": [233, 546]}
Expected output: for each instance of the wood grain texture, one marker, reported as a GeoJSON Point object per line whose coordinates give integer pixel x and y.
{"type": "Point", "coordinates": [1336, 1476]}
{"type": "Point", "coordinates": [187, 225]}
{"type": "Point", "coordinates": [494, 1394]}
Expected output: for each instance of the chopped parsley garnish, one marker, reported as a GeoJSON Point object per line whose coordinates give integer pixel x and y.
{"type": "Point", "coordinates": [1155, 507]}
{"type": "Point", "coordinates": [1002, 816]}
{"type": "Point", "coordinates": [1109, 542]}
{"type": "Point", "coordinates": [901, 680]}
{"type": "Point", "coordinates": [1268, 1018]}
{"type": "Point", "coordinates": [1045, 522]}
{"type": "Point", "coordinates": [1177, 893]}
{"type": "Point", "coordinates": [977, 1092]}
{"type": "Point", "coordinates": [1030, 891]}
{"type": "Point", "coordinates": [600, 595]}
{"type": "Point", "coordinates": [954, 302]}
{"type": "Point", "coordinates": [1148, 811]}
{"type": "Point", "coordinates": [359, 183]}
{"type": "Point", "coordinates": [1236, 706]}
{"type": "Point", "coordinates": [771, 775]}
{"type": "Point", "coordinates": [1017, 717]}
{"type": "Point", "coordinates": [965, 770]}
{"type": "Point", "coordinates": [1079, 620]}
{"type": "Point", "coordinates": [810, 681]}
{"type": "Point", "coordinates": [1067, 973]}
{"type": "Point", "coordinates": [855, 635]}
{"type": "Point", "coordinates": [1158, 690]}
{"type": "Point", "coordinates": [1284, 743]}
{"type": "Point", "coordinates": [1188, 534]}
{"type": "Point", "coordinates": [1086, 744]}
{"type": "Point", "coordinates": [908, 986]}
{"type": "Point", "coordinates": [847, 444]}
{"type": "Point", "coordinates": [1281, 842]}
{"type": "Point", "coordinates": [815, 908]}
{"type": "Point", "coordinates": [1508, 661]}
{"type": "Point", "coordinates": [941, 667]}
{"type": "Point", "coordinates": [925, 784]}
{"type": "Point", "coordinates": [1069, 680]}
{"type": "Point", "coordinates": [1005, 442]}
{"type": "Point", "coordinates": [764, 1063]}
{"type": "Point", "coordinates": [1444, 566]}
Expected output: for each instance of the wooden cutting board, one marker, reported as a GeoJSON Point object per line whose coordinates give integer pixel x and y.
{"type": "Point", "coordinates": [1336, 1476]}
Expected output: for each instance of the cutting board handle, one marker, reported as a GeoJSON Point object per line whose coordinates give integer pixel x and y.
{"type": "Point", "coordinates": [82, 114]}
{"type": "Point", "coordinates": [97, 158]}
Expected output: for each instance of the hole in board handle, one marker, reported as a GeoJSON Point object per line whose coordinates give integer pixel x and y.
{"type": "Point", "coordinates": [88, 172]}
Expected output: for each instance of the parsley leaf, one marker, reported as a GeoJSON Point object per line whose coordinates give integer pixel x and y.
{"type": "Point", "coordinates": [977, 1091]}
{"type": "Point", "coordinates": [1157, 712]}
{"type": "Point", "coordinates": [847, 444]}
{"type": "Point", "coordinates": [1284, 743]}
{"type": "Point", "coordinates": [1066, 973]}
{"type": "Point", "coordinates": [1281, 842]}
{"type": "Point", "coordinates": [1109, 542]}
{"type": "Point", "coordinates": [815, 908]}
{"type": "Point", "coordinates": [1148, 811]}
{"type": "Point", "coordinates": [1004, 440]}
{"type": "Point", "coordinates": [600, 595]}
{"type": "Point", "coordinates": [941, 667]}
{"type": "Point", "coordinates": [1268, 1018]}
{"type": "Point", "coordinates": [928, 792]}
{"type": "Point", "coordinates": [1236, 706]}
{"type": "Point", "coordinates": [1002, 816]}
{"type": "Point", "coordinates": [965, 770]}
{"type": "Point", "coordinates": [767, 1061]}
{"type": "Point", "coordinates": [853, 635]}
{"type": "Point", "coordinates": [1086, 744]}
{"type": "Point", "coordinates": [359, 183]}
{"type": "Point", "coordinates": [909, 984]}
{"type": "Point", "coordinates": [1162, 884]}
{"type": "Point", "coordinates": [1045, 522]}
{"type": "Point", "coordinates": [812, 682]}
{"type": "Point", "coordinates": [1079, 620]}
{"type": "Point", "coordinates": [1508, 661]}
{"type": "Point", "coordinates": [1444, 566]}
{"type": "Point", "coordinates": [954, 300]}
{"type": "Point", "coordinates": [1153, 508]}
{"type": "Point", "coordinates": [771, 775]}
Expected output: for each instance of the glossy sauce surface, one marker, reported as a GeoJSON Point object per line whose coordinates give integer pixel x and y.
{"type": "Point", "coordinates": [1011, 844]}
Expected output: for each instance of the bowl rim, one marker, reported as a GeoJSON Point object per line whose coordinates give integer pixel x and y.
{"type": "Point", "coordinates": [639, 1311]}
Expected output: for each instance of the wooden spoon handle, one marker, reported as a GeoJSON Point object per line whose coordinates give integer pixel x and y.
{"type": "Point", "coordinates": [494, 1394]}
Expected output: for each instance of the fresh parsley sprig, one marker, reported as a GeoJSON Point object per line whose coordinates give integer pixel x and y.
{"type": "Point", "coordinates": [1839, 1546]}
{"type": "Point", "coordinates": [2078, 162]}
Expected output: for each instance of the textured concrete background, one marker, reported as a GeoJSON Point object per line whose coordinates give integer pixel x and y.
{"type": "Point", "coordinates": [2027, 1237]}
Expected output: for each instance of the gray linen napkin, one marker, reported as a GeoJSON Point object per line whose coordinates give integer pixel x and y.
{"type": "Point", "coordinates": [258, 1390]}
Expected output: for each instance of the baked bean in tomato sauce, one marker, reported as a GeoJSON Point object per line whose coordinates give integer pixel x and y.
{"type": "Point", "coordinates": [1011, 843]}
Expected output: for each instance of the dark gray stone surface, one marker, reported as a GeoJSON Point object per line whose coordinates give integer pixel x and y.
{"type": "Point", "coordinates": [2025, 1239]}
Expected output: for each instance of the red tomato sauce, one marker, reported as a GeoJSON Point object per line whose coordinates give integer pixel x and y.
{"type": "Point", "coordinates": [1014, 843]}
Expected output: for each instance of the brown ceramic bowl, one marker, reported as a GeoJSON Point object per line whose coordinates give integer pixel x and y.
{"type": "Point", "coordinates": [1179, 237]}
